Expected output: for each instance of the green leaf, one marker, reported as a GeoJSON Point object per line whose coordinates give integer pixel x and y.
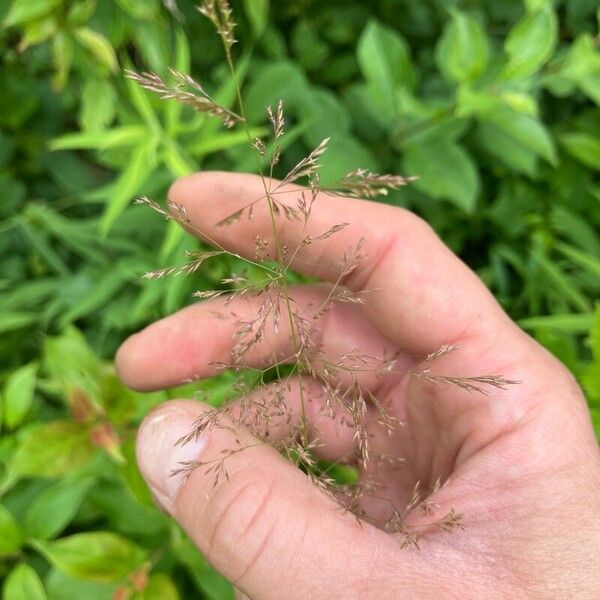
{"type": "Point", "coordinates": [584, 260]}
{"type": "Point", "coordinates": [563, 284]}
{"type": "Point", "coordinates": [139, 10]}
{"type": "Point", "coordinates": [54, 508]}
{"type": "Point", "coordinates": [581, 66]}
{"type": "Point", "coordinates": [128, 184]}
{"type": "Point", "coordinates": [530, 42]}
{"type": "Point", "coordinates": [98, 46]}
{"type": "Point", "coordinates": [462, 52]}
{"type": "Point", "coordinates": [96, 556]}
{"type": "Point", "coordinates": [23, 583]}
{"type": "Point", "coordinates": [595, 335]}
{"type": "Point", "coordinates": [48, 449]}
{"type": "Point", "coordinates": [160, 587]}
{"type": "Point", "coordinates": [9, 321]}
{"type": "Point", "coordinates": [173, 110]}
{"type": "Point", "coordinates": [344, 154]}
{"type": "Point", "coordinates": [63, 587]}
{"type": "Point", "coordinates": [584, 147]}
{"type": "Point", "coordinates": [529, 132]}
{"type": "Point", "coordinates": [141, 101]}
{"type": "Point", "coordinates": [72, 364]}
{"type": "Point", "coordinates": [506, 149]}
{"type": "Point", "coordinates": [38, 31]}
{"type": "Point", "coordinates": [62, 58]}
{"type": "Point", "coordinates": [116, 137]}
{"type": "Point", "coordinates": [570, 323]}
{"type": "Point", "coordinates": [385, 62]}
{"type": "Point", "coordinates": [132, 477]}
{"type": "Point", "coordinates": [18, 395]}
{"type": "Point", "coordinates": [533, 5]}
{"type": "Point", "coordinates": [445, 170]}
{"type": "Point", "coordinates": [22, 11]}
{"type": "Point", "coordinates": [257, 12]}
{"type": "Point", "coordinates": [10, 536]}
{"type": "Point", "coordinates": [97, 105]}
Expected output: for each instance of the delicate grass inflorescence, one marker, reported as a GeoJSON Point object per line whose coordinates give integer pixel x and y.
{"type": "Point", "coordinates": [262, 407]}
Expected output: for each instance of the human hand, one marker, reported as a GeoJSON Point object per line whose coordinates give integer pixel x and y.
{"type": "Point", "coordinates": [520, 464]}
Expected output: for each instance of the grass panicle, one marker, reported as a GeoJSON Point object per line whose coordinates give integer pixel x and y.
{"type": "Point", "coordinates": [261, 408]}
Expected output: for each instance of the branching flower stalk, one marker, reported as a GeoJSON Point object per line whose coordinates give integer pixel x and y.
{"type": "Point", "coordinates": [261, 408]}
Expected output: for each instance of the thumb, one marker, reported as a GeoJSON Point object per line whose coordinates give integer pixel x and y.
{"type": "Point", "coordinates": [264, 525]}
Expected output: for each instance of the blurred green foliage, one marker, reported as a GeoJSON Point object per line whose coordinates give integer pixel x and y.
{"type": "Point", "coordinates": [493, 103]}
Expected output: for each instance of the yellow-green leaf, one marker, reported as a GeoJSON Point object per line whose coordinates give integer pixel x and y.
{"type": "Point", "coordinates": [18, 395]}
{"type": "Point", "coordinates": [95, 556]}
{"type": "Point", "coordinates": [98, 45]}
{"type": "Point", "coordinates": [23, 583]}
{"type": "Point", "coordinates": [530, 42]}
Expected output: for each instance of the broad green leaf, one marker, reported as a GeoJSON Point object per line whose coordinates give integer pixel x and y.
{"type": "Point", "coordinates": [520, 102]}
{"type": "Point", "coordinates": [116, 137]}
{"type": "Point", "coordinates": [445, 170]}
{"type": "Point", "coordinates": [257, 12]}
{"type": "Point", "coordinates": [72, 364]}
{"type": "Point", "coordinates": [531, 42]}
{"type": "Point", "coordinates": [18, 395]}
{"type": "Point", "coordinates": [462, 52]}
{"type": "Point", "coordinates": [38, 31]}
{"type": "Point", "coordinates": [529, 132]}
{"type": "Point", "coordinates": [54, 508]}
{"type": "Point", "coordinates": [98, 46]}
{"type": "Point", "coordinates": [385, 62]}
{"type": "Point", "coordinates": [128, 184]}
{"type": "Point", "coordinates": [578, 67]}
{"type": "Point", "coordinates": [344, 154]}
{"type": "Point", "coordinates": [23, 583]}
{"type": "Point", "coordinates": [21, 11]}
{"type": "Point", "coordinates": [60, 586]}
{"type": "Point", "coordinates": [584, 147]}
{"type": "Point", "coordinates": [160, 587]}
{"type": "Point", "coordinates": [506, 149]}
{"type": "Point", "coordinates": [275, 81]}
{"type": "Point", "coordinates": [10, 535]}
{"type": "Point", "coordinates": [308, 47]}
{"type": "Point", "coordinates": [95, 556]}
{"type": "Point", "coordinates": [48, 449]}
{"type": "Point", "coordinates": [81, 12]}
{"type": "Point", "coordinates": [97, 105]}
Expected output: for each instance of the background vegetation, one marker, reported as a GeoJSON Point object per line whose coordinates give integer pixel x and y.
{"type": "Point", "coordinates": [493, 103]}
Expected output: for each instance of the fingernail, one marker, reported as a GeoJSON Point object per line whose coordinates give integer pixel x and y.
{"type": "Point", "coordinates": [159, 454]}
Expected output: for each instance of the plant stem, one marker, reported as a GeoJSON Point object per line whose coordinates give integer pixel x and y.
{"type": "Point", "coordinates": [278, 251]}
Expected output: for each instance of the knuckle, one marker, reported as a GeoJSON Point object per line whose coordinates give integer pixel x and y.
{"type": "Point", "coordinates": [238, 521]}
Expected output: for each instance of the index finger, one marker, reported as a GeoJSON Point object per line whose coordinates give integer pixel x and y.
{"type": "Point", "coordinates": [420, 294]}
